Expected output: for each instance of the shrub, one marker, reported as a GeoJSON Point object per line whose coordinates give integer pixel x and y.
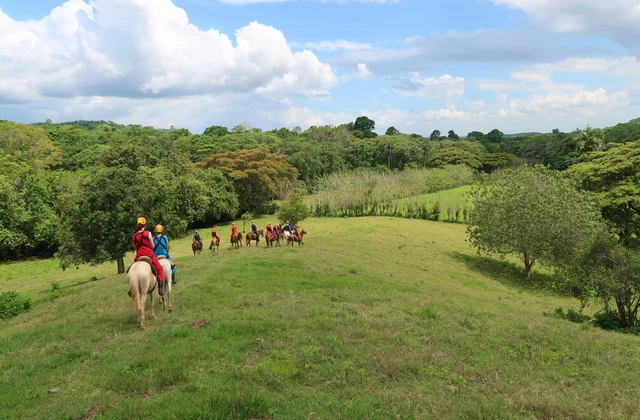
{"type": "Point", "coordinates": [12, 304]}
{"type": "Point", "coordinates": [608, 320]}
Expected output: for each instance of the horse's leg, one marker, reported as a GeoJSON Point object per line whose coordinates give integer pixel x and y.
{"type": "Point", "coordinates": [153, 307]}
{"type": "Point", "coordinates": [142, 300]}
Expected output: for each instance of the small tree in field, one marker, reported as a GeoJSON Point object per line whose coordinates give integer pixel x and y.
{"type": "Point", "coordinates": [246, 216]}
{"type": "Point", "coordinates": [294, 210]}
{"type": "Point", "coordinates": [533, 212]}
{"type": "Point", "coordinates": [604, 269]}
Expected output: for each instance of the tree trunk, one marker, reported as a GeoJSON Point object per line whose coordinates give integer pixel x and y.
{"type": "Point", "coordinates": [528, 265]}
{"type": "Point", "coordinates": [120, 261]}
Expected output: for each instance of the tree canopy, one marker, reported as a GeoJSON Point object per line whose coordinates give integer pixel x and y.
{"type": "Point", "coordinates": [614, 177]}
{"type": "Point", "coordinates": [257, 175]}
{"type": "Point", "coordinates": [532, 212]}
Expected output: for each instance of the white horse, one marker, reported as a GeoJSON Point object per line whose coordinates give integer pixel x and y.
{"type": "Point", "coordinates": [166, 266]}
{"type": "Point", "coordinates": [141, 283]}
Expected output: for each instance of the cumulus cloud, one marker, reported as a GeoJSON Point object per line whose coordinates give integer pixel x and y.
{"type": "Point", "coordinates": [340, 44]}
{"type": "Point", "coordinates": [618, 19]}
{"type": "Point", "coordinates": [487, 46]}
{"type": "Point", "coordinates": [147, 48]}
{"type": "Point", "coordinates": [445, 87]}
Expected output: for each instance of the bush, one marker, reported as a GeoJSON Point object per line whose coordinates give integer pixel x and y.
{"type": "Point", "coordinates": [609, 320]}
{"type": "Point", "coordinates": [54, 293]}
{"type": "Point", "coordinates": [12, 304]}
{"type": "Point", "coordinates": [571, 315]}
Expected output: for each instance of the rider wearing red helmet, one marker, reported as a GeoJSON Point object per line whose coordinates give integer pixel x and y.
{"type": "Point", "coordinates": [143, 240]}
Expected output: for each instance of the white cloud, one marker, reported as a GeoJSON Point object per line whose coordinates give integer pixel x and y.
{"type": "Point", "coordinates": [245, 2]}
{"type": "Point", "coordinates": [419, 53]}
{"type": "Point", "coordinates": [622, 67]}
{"type": "Point", "coordinates": [147, 48]}
{"type": "Point", "coordinates": [618, 19]}
{"type": "Point", "coordinates": [340, 44]}
{"type": "Point", "coordinates": [445, 87]}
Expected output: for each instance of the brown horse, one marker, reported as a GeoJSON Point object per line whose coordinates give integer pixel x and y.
{"type": "Point", "coordinates": [293, 238]}
{"type": "Point", "coordinates": [236, 240]}
{"type": "Point", "coordinates": [196, 247]}
{"type": "Point", "coordinates": [270, 238]}
{"type": "Point", "coordinates": [215, 244]}
{"type": "Point", "coordinates": [252, 237]}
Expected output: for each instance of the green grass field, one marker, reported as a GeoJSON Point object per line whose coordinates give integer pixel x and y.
{"type": "Point", "coordinates": [371, 318]}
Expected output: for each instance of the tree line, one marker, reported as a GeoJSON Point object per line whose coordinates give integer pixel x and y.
{"type": "Point", "coordinates": [58, 181]}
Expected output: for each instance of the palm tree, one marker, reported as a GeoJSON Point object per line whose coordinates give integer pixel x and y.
{"type": "Point", "coordinates": [589, 140]}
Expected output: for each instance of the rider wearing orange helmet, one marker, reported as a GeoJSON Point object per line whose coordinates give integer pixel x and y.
{"type": "Point", "coordinates": [161, 248]}
{"type": "Point", "coordinates": [214, 234]}
{"type": "Point", "coordinates": [143, 241]}
{"type": "Point", "coordinates": [296, 231]}
{"type": "Point", "coordinates": [270, 230]}
{"type": "Point", "coordinates": [234, 230]}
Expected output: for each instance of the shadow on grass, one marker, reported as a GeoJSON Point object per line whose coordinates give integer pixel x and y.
{"type": "Point", "coordinates": [506, 272]}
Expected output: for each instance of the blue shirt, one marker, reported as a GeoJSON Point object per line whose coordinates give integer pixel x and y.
{"type": "Point", "coordinates": [161, 245]}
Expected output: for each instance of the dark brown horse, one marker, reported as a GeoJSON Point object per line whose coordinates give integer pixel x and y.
{"type": "Point", "coordinates": [293, 238]}
{"type": "Point", "coordinates": [252, 237]}
{"type": "Point", "coordinates": [215, 244]}
{"type": "Point", "coordinates": [196, 247]}
{"type": "Point", "coordinates": [236, 240]}
{"type": "Point", "coordinates": [270, 238]}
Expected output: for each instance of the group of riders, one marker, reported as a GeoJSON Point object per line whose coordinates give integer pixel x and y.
{"type": "Point", "coordinates": [153, 247]}
{"type": "Point", "coordinates": [276, 231]}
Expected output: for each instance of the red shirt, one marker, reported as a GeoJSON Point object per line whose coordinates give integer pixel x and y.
{"type": "Point", "coordinates": [143, 241]}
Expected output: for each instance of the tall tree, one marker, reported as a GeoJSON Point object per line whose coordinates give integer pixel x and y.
{"type": "Point", "coordinates": [452, 135]}
{"type": "Point", "coordinates": [532, 212]}
{"type": "Point", "coordinates": [435, 135]}
{"type": "Point", "coordinates": [392, 131]}
{"type": "Point", "coordinates": [589, 140]}
{"type": "Point", "coordinates": [257, 175]}
{"type": "Point", "coordinates": [25, 149]}
{"type": "Point", "coordinates": [614, 177]}
{"type": "Point", "coordinates": [365, 124]}
{"type": "Point", "coordinates": [99, 226]}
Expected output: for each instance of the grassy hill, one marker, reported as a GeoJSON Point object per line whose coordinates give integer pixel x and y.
{"type": "Point", "coordinates": [371, 318]}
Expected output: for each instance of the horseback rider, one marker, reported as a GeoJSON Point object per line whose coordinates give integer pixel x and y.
{"type": "Point", "coordinates": [287, 227]}
{"type": "Point", "coordinates": [214, 234]}
{"type": "Point", "coordinates": [278, 229]}
{"type": "Point", "coordinates": [196, 237]}
{"type": "Point", "coordinates": [254, 229]}
{"type": "Point", "coordinates": [296, 232]}
{"type": "Point", "coordinates": [234, 230]}
{"type": "Point", "coordinates": [270, 230]}
{"type": "Point", "coordinates": [143, 241]}
{"type": "Point", "coordinates": [161, 247]}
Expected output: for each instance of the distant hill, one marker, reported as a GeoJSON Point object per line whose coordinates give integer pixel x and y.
{"type": "Point", "coordinates": [522, 134]}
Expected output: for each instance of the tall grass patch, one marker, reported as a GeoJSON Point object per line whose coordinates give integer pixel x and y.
{"type": "Point", "coordinates": [371, 193]}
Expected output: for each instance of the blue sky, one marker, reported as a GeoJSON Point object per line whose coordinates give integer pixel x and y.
{"type": "Point", "coordinates": [516, 65]}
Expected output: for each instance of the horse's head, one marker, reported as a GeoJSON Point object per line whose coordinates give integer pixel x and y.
{"type": "Point", "coordinates": [303, 232]}
{"type": "Point", "coordinates": [261, 232]}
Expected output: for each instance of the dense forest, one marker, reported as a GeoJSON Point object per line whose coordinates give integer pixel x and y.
{"type": "Point", "coordinates": [60, 181]}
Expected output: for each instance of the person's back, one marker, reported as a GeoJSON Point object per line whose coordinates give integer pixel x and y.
{"type": "Point", "coordinates": [161, 248]}
{"type": "Point", "coordinates": [161, 245]}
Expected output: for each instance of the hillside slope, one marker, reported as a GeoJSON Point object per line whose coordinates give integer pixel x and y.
{"type": "Point", "coordinates": [371, 318]}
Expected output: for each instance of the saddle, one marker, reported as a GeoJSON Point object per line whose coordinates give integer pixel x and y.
{"type": "Point", "coordinates": [163, 257]}
{"type": "Point", "coordinates": [148, 261]}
